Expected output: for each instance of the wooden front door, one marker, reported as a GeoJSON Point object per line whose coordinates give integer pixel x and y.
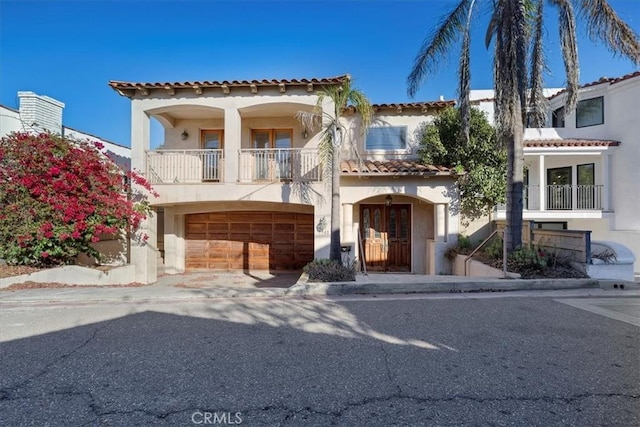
{"type": "Point", "coordinates": [386, 237]}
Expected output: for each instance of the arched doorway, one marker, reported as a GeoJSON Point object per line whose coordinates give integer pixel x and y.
{"type": "Point", "coordinates": [386, 236]}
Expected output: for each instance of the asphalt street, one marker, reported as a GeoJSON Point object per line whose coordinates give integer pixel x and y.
{"type": "Point", "coordinates": [371, 361]}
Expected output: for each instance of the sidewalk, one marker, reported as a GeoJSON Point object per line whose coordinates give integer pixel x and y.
{"type": "Point", "coordinates": [229, 285]}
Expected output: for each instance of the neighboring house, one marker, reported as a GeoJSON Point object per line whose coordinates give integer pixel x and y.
{"type": "Point", "coordinates": [583, 170]}
{"type": "Point", "coordinates": [38, 113]}
{"type": "Point", "coordinates": [241, 184]}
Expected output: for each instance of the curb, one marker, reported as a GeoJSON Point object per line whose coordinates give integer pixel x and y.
{"type": "Point", "coordinates": [499, 285]}
{"type": "Point", "coordinates": [303, 288]}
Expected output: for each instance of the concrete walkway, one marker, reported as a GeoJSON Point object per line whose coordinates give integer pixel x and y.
{"type": "Point", "coordinates": [238, 285]}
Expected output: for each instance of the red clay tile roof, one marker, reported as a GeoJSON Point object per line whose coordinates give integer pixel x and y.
{"type": "Point", "coordinates": [411, 105]}
{"type": "Point", "coordinates": [610, 80]}
{"type": "Point", "coordinates": [132, 86]}
{"type": "Point", "coordinates": [569, 142]}
{"type": "Point", "coordinates": [391, 167]}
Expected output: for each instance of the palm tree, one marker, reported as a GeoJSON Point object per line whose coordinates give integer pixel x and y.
{"type": "Point", "coordinates": [342, 96]}
{"type": "Point", "coordinates": [516, 28]}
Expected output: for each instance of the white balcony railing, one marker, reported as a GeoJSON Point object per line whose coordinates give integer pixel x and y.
{"type": "Point", "coordinates": [255, 165]}
{"type": "Point", "coordinates": [184, 166]}
{"type": "Point", "coordinates": [279, 164]}
{"type": "Point", "coordinates": [563, 197]}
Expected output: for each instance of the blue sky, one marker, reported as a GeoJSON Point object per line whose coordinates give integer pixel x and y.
{"type": "Point", "coordinates": [69, 50]}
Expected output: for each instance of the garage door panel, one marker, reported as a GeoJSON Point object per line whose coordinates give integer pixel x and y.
{"type": "Point", "coordinates": [239, 226]}
{"type": "Point", "coordinates": [291, 227]}
{"type": "Point", "coordinates": [218, 226]}
{"type": "Point", "coordinates": [268, 227]}
{"type": "Point", "coordinates": [240, 217]}
{"type": "Point", "coordinates": [196, 227]}
{"type": "Point", "coordinates": [284, 216]}
{"type": "Point", "coordinates": [266, 217]}
{"type": "Point", "coordinates": [197, 236]}
{"type": "Point", "coordinates": [245, 239]}
{"type": "Point", "coordinates": [217, 217]}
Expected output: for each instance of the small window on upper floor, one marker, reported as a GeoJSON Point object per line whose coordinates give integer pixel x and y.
{"type": "Point", "coordinates": [557, 118]}
{"type": "Point", "coordinates": [386, 138]}
{"type": "Point", "coordinates": [590, 112]}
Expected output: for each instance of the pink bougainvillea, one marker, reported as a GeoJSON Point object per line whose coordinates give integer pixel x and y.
{"type": "Point", "coordinates": [58, 196]}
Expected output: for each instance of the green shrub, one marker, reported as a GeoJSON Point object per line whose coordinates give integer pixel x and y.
{"type": "Point", "coordinates": [464, 243]}
{"type": "Point", "coordinates": [326, 270]}
{"type": "Point", "coordinates": [527, 260]}
{"type": "Point", "coordinates": [494, 249]}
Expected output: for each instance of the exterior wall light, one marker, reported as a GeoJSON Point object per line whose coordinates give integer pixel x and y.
{"type": "Point", "coordinates": [388, 200]}
{"type": "Point", "coordinates": [184, 135]}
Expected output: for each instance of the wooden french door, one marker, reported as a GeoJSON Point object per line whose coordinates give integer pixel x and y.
{"type": "Point", "coordinates": [386, 236]}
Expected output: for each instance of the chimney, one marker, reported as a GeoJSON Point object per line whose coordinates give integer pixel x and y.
{"type": "Point", "coordinates": [40, 112]}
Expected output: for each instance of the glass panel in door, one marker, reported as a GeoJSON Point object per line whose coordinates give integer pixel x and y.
{"type": "Point", "coordinates": [586, 196]}
{"type": "Point", "coordinates": [559, 188]}
{"type": "Point", "coordinates": [211, 140]}
{"type": "Point", "coordinates": [261, 144]}
{"type": "Point", "coordinates": [282, 140]}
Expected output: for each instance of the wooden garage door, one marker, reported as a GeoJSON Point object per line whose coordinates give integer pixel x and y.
{"type": "Point", "coordinates": [249, 240]}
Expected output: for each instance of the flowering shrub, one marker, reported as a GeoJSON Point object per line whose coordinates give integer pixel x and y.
{"type": "Point", "coordinates": [58, 196]}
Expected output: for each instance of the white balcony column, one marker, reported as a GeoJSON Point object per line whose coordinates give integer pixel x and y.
{"type": "Point", "coordinates": [232, 143]}
{"type": "Point", "coordinates": [606, 182]}
{"type": "Point", "coordinates": [144, 255]}
{"type": "Point", "coordinates": [174, 244]}
{"type": "Point", "coordinates": [542, 179]}
{"type": "Point", "coordinates": [440, 222]}
{"type": "Point", "coordinates": [140, 137]}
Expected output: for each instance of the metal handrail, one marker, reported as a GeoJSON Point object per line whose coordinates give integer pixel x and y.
{"type": "Point", "coordinates": [478, 248]}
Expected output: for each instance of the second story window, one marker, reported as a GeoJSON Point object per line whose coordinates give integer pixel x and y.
{"type": "Point", "coordinates": [386, 138]}
{"type": "Point", "coordinates": [590, 112]}
{"type": "Point", "coordinates": [557, 118]}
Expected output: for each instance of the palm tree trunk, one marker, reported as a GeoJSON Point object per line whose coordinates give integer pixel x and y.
{"type": "Point", "coordinates": [334, 248]}
{"type": "Point", "coordinates": [515, 178]}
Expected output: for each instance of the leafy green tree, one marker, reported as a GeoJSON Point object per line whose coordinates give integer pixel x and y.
{"type": "Point", "coordinates": [516, 29]}
{"type": "Point", "coordinates": [482, 160]}
{"type": "Point", "coordinates": [333, 133]}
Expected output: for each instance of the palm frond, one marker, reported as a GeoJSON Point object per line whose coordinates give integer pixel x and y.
{"type": "Point", "coordinates": [569, 46]}
{"type": "Point", "coordinates": [437, 45]}
{"type": "Point", "coordinates": [537, 101]}
{"type": "Point", "coordinates": [309, 120]}
{"type": "Point", "coordinates": [362, 104]}
{"type": "Point", "coordinates": [604, 23]}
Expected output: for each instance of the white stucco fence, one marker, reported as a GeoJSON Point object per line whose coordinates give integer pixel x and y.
{"type": "Point", "coordinates": [76, 275]}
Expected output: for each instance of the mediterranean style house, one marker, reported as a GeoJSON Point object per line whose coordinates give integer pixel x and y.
{"type": "Point", "coordinates": [242, 187]}
{"type": "Point", "coordinates": [582, 171]}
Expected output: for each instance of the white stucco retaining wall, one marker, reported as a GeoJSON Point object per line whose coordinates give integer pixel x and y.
{"type": "Point", "coordinates": [76, 275]}
{"type": "Point", "coordinates": [478, 269]}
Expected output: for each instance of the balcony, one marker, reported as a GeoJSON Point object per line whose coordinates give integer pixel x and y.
{"type": "Point", "coordinates": [254, 166]}
{"type": "Point", "coordinates": [184, 166]}
{"type": "Point", "coordinates": [279, 164]}
{"type": "Point", "coordinates": [562, 198]}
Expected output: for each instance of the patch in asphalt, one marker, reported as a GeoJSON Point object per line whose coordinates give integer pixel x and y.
{"type": "Point", "coordinates": [622, 309]}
